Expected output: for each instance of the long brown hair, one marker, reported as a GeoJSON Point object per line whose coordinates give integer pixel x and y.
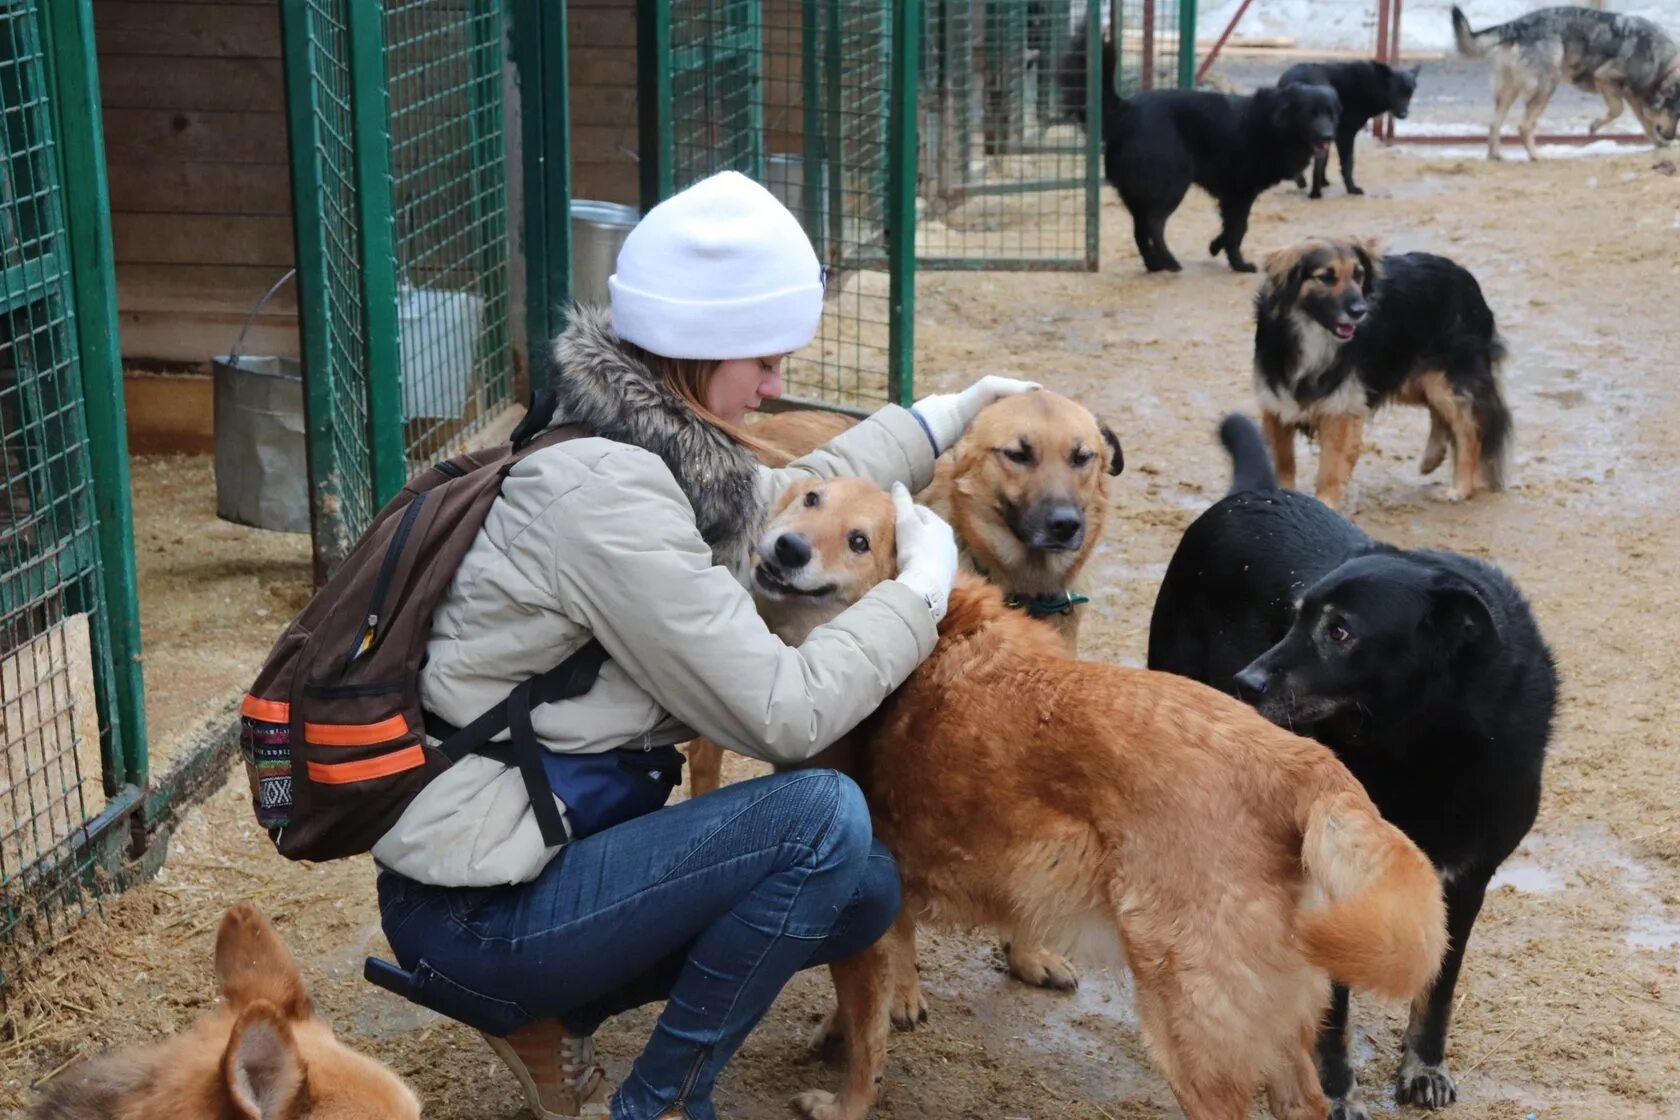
{"type": "Point", "coordinates": [688, 379]}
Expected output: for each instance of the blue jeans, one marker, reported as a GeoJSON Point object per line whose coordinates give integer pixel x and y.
{"type": "Point", "coordinates": [711, 904]}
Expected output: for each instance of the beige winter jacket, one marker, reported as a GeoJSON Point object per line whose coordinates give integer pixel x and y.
{"type": "Point", "coordinates": [641, 540]}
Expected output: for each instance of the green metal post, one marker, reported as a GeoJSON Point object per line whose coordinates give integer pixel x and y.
{"type": "Point", "coordinates": [1094, 96]}
{"type": "Point", "coordinates": [540, 302]}
{"type": "Point", "coordinates": [1186, 44]}
{"type": "Point", "coordinates": [81, 142]}
{"type": "Point", "coordinates": [326, 507]}
{"type": "Point", "coordinates": [901, 201]}
{"type": "Point", "coordinates": [653, 100]}
{"type": "Point", "coordinates": [557, 157]}
{"type": "Point", "coordinates": [365, 31]}
{"type": "Point", "coordinates": [810, 69]}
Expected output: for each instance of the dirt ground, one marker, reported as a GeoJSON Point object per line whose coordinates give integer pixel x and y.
{"type": "Point", "coordinates": [1569, 1007]}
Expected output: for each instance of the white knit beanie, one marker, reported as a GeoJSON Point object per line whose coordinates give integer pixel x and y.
{"type": "Point", "coordinates": [721, 270]}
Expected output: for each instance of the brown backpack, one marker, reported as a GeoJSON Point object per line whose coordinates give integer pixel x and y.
{"type": "Point", "coordinates": [333, 733]}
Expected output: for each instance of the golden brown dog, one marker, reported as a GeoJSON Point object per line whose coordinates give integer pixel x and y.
{"type": "Point", "coordinates": [262, 1056]}
{"type": "Point", "coordinates": [1235, 868]}
{"type": "Point", "coordinates": [1342, 330]}
{"type": "Point", "coordinates": [1026, 491]}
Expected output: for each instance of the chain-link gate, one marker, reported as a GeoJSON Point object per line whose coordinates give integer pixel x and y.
{"type": "Point", "coordinates": [72, 736]}
{"type": "Point", "coordinates": [815, 99]}
{"type": "Point", "coordinates": [1010, 179]}
{"type": "Point", "coordinates": [1157, 44]}
{"type": "Point", "coordinates": [399, 178]}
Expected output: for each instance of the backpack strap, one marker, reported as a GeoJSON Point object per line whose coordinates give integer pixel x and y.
{"type": "Point", "coordinates": [571, 678]}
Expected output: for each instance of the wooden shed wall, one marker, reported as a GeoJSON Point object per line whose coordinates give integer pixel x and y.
{"type": "Point", "coordinates": [195, 141]}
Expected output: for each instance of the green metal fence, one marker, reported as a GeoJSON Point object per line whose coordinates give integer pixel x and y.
{"type": "Point", "coordinates": [815, 99]}
{"type": "Point", "coordinates": [72, 733]}
{"type": "Point", "coordinates": [1153, 53]}
{"type": "Point", "coordinates": [401, 201]}
{"type": "Point", "coordinates": [1010, 180]}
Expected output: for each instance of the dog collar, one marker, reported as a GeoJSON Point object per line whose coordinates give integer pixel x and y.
{"type": "Point", "coordinates": [1044, 606]}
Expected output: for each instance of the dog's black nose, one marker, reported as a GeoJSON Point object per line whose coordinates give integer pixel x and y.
{"type": "Point", "coordinates": [792, 551]}
{"type": "Point", "coordinates": [1064, 525]}
{"type": "Point", "coordinates": [1252, 683]}
{"type": "Point", "coordinates": [1356, 311]}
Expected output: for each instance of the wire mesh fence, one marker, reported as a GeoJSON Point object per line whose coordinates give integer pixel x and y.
{"type": "Point", "coordinates": [1009, 176]}
{"type": "Point", "coordinates": [1152, 54]}
{"type": "Point", "coordinates": [448, 163]}
{"type": "Point", "coordinates": [400, 197]}
{"type": "Point", "coordinates": [797, 95]}
{"type": "Point", "coordinates": [54, 636]}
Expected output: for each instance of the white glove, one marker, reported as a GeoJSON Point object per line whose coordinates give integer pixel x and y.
{"type": "Point", "coordinates": [927, 552]}
{"type": "Point", "coordinates": [946, 416]}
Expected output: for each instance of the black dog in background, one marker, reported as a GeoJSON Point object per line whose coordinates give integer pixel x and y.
{"type": "Point", "coordinates": [1157, 143]}
{"type": "Point", "coordinates": [1366, 90]}
{"type": "Point", "coordinates": [1424, 671]}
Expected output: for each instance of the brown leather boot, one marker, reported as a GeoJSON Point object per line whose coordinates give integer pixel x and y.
{"type": "Point", "coordinates": [556, 1070]}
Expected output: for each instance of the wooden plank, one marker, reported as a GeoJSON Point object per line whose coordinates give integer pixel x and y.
{"type": "Point", "coordinates": [607, 182]}
{"type": "Point", "coordinates": [196, 287]}
{"type": "Point", "coordinates": [591, 28]}
{"type": "Point", "coordinates": [603, 68]}
{"type": "Point", "coordinates": [227, 84]}
{"type": "Point", "coordinates": [200, 188]}
{"type": "Point", "coordinates": [203, 239]}
{"type": "Point", "coordinates": [170, 413]}
{"type": "Point", "coordinates": [183, 135]}
{"type": "Point", "coordinates": [182, 30]}
{"type": "Point", "coordinates": [603, 105]}
{"type": "Point", "coordinates": [51, 777]}
{"type": "Point", "coordinates": [592, 144]}
{"type": "Point", "coordinates": [193, 337]}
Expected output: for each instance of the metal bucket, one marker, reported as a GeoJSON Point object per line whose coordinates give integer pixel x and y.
{"type": "Point", "coordinates": [262, 469]}
{"type": "Point", "coordinates": [784, 176]}
{"type": "Point", "coordinates": [598, 232]}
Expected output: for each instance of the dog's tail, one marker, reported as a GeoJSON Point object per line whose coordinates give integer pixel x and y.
{"type": "Point", "coordinates": [1251, 466]}
{"type": "Point", "coordinates": [1076, 61]}
{"type": "Point", "coordinates": [1373, 916]}
{"type": "Point", "coordinates": [1493, 420]}
{"type": "Point", "coordinates": [1473, 44]}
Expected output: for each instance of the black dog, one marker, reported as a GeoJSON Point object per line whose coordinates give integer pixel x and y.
{"type": "Point", "coordinates": [1157, 143]}
{"type": "Point", "coordinates": [1423, 671]}
{"type": "Point", "coordinates": [1366, 90]}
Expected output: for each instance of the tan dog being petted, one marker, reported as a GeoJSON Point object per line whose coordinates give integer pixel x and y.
{"type": "Point", "coordinates": [1026, 491]}
{"type": "Point", "coordinates": [261, 1055]}
{"type": "Point", "coordinates": [1234, 867]}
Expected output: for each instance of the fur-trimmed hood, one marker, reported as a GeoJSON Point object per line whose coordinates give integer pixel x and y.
{"type": "Point", "coordinates": [616, 396]}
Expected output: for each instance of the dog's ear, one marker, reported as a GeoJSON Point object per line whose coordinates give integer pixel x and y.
{"type": "Point", "coordinates": [1459, 614]}
{"type": "Point", "coordinates": [1369, 252]}
{"type": "Point", "coordinates": [261, 1067]}
{"type": "Point", "coordinates": [1414, 72]}
{"type": "Point", "coordinates": [1116, 457]}
{"type": "Point", "coordinates": [1285, 270]}
{"type": "Point", "coordinates": [252, 965]}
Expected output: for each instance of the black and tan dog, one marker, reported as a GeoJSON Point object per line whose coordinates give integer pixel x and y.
{"type": "Point", "coordinates": [1341, 331]}
{"type": "Point", "coordinates": [1026, 491]}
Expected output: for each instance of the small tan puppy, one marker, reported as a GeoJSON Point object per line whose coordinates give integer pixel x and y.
{"type": "Point", "coordinates": [262, 1056]}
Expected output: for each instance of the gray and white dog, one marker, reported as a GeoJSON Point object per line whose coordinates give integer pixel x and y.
{"type": "Point", "coordinates": [1620, 57]}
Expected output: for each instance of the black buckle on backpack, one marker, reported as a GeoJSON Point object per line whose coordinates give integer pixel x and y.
{"type": "Point", "coordinates": [539, 414]}
{"type": "Point", "coordinates": [572, 677]}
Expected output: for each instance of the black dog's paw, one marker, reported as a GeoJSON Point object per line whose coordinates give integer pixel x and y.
{"type": "Point", "coordinates": [1315, 193]}
{"type": "Point", "coordinates": [1216, 246]}
{"type": "Point", "coordinates": [1349, 1108]}
{"type": "Point", "coordinates": [1355, 190]}
{"type": "Point", "coordinates": [1424, 1085]}
{"type": "Point", "coordinates": [1245, 266]}
{"type": "Point", "coordinates": [1301, 181]}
